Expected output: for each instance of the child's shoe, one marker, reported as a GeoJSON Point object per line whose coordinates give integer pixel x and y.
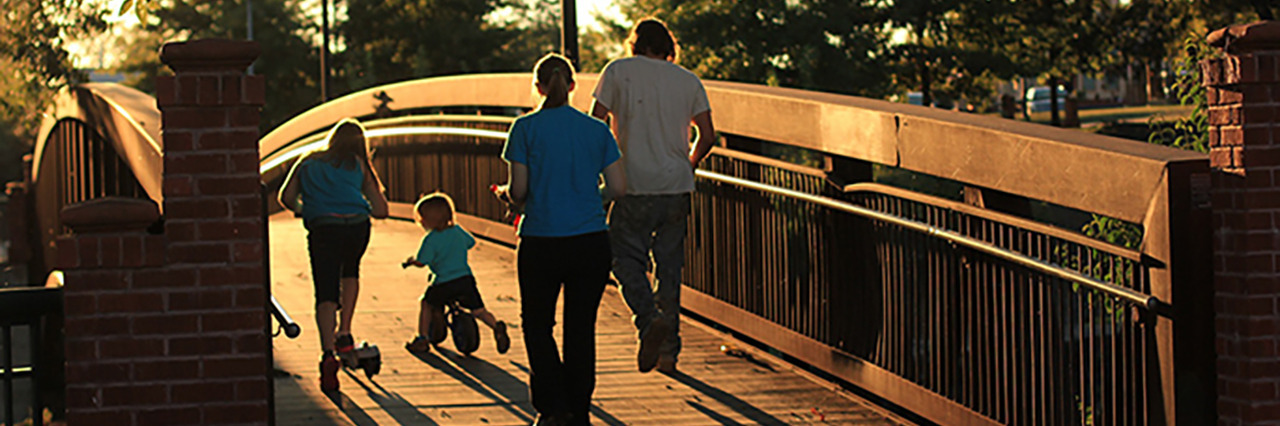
{"type": "Point", "coordinates": [345, 346]}
{"type": "Point", "coordinates": [329, 366]}
{"type": "Point", "coordinates": [500, 337]}
{"type": "Point", "coordinates": [419, 344]}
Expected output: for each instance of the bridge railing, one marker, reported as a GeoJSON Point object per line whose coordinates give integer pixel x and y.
{"type": "Point", "coordinates": [31, 376]}
{"type": "Point", "coordinates": [954, 310]}
{"type": "Point", "coordinates": [99, 140]}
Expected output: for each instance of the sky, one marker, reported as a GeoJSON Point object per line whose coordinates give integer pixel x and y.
{"type": "Point", "coordinates": [97, 53]}
{"type": "Point", "coordinates": [585, 7]}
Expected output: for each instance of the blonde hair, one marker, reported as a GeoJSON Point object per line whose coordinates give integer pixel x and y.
{"type": "Point", "coordinates": [430, 204]}
{"type": "Point", "coordinates": [347, 145]}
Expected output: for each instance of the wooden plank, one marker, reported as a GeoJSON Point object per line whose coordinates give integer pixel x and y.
{"type": "Point", "coordinates": [488, 388]}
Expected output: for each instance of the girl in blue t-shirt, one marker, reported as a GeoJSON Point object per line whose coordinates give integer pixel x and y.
{"type": "Point", "coordinates": [336, 190]}
{"type": "Point", "coordinates": [556, 156]}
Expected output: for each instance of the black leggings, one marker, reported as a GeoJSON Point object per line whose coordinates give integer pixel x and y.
{"type": "Point", "coordinates": [335, 251]}
{"type": "Point", "coordinates": [580, 264]}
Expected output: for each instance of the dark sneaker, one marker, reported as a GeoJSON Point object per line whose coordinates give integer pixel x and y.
{"type": "Point", "coordinates": [651, 344]}
{"type": "Point", "coordinates": [345, 346]}
{"type": "Point", "coordinates": [344, 343]}
{"type": "Point", "coordinates": [329, 366]}
{"type": "Point", "coordinates": [419, 344]}
{"type": "Point", "coordinates": [550, 420]}
{"type": "Point", "coordinates": [667, 365]}
{"type": "Point", "coordinates": [500, 337]}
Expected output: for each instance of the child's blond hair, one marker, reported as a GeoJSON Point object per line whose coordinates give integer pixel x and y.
{"type": "Point", "coordinates": [435, 203]}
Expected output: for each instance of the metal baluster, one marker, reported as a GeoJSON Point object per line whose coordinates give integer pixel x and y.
{"type": "Point", "coordinates": [8, 372]}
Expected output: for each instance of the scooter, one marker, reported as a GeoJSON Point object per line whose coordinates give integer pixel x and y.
{"type": "Point", "coordinates": [364, 357]}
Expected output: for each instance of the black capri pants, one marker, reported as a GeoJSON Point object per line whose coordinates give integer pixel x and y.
{"type": "Point", "coordinates": [336, 250]}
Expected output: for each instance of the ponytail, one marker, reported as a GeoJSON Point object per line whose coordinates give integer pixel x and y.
{"type": "Point", "coordinates": [554, 74]}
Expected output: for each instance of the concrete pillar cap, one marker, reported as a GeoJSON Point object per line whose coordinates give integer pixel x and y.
{"type": "Point", "coordinates": [1247, 38]}
{"type": "Point", "coordinates": [110, 214]}
{"type": "Point", "coordinates": [209, 55]}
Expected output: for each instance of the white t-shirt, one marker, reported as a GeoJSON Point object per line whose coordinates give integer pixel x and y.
{"type": "Point", "coordinates": [653, 102]}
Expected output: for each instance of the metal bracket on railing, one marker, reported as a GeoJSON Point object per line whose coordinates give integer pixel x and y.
{"type": "Point", "coordinates": [291, 329]}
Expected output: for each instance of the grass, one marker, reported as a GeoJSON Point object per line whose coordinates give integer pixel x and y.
{"type": "Point", "coordinates": [1098, 116]}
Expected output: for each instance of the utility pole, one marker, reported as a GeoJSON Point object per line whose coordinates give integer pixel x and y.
{"type": "Point", "coordinates": [569, 31]}
{"type": "Point", "coordinates": [248, 19]}
{"type": "Point", "coordinates": [324, 51]}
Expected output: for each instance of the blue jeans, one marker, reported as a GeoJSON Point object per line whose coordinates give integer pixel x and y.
{"type": "Point", "coordinates": [645, 231]}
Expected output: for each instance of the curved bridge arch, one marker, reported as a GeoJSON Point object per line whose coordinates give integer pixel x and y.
{"type": "Point", "coordinates": [973, 149]}
{"type": "Point", "coordinates": [98, 140]}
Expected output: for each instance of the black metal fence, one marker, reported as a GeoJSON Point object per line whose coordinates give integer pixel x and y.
{"type": "Point", "coordinates": [31, 377]}
{"type": "Point", "coordinates": [98, 169]}
{"type": "Point", "coordinates": [1008, 342]}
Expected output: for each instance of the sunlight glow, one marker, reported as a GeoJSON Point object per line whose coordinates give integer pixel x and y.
{"type": "Point", "coordinates": [376, 133]}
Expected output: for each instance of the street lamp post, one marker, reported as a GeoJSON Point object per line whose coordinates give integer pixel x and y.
{"type": "Point", "coordinates": [569, 31]}
{"type": "Point", "coordinates": [248, 19]}
{"type": "Point", "coordinates": [324, 51]}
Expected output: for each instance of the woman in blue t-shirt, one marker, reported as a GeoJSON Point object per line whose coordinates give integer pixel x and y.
{"type": "Point", "coordinates": [556, 156]}
{"type": "Point", "coordinates": [336, 190]}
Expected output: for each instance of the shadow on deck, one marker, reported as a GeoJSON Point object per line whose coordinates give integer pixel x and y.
{"type": "Point", "coordinates": [443, 387]}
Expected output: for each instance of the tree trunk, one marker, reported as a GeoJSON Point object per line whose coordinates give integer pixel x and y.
{"type": "Point", "coordinates": [1053, 102]}
{"type": "Point", "coordinates": [1155, 83]}
{"type": "Point", "coordinates": [922, 68]}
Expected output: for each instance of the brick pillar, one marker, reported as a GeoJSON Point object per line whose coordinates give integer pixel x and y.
{"type": "Point", "coordinates": [172, 330]}
{"type": "Point", "coordinates": [1244, 137]}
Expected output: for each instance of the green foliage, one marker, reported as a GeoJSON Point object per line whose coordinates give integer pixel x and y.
{"type": "Point", "coordinates": [1191, 132]}
{"type": "Point", "coordinates": [33, 53]}
{"type": "Point", "coordinates": [396, 40]}
{"type": "Point", "coordinates": [288, 62]}
{"type": "Point", "coordinates": [833, 46]}
{"type": "Point", "coordinates": [1114, 231]}
{"type": "Point", "coordinates": [1220, 13]}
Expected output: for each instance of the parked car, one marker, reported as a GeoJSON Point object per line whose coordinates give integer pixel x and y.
{"type": "Point", "coordinates": [1037, 99]}
{"type": "Point", "coordinates": [917, 98]}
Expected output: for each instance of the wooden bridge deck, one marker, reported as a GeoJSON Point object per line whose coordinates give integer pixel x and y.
{"type": "Point", "coordinates": [487, 388]}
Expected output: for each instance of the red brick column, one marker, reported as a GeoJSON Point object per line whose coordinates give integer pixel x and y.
{"type": "Point", "coordinates": [171, 329]}
{"type": "Point", "coordinates": [1244, 138]}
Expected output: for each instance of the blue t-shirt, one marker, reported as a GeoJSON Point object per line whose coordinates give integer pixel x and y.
{"type": "Point", "coordinates": [329, 190]}
{"type": "Point", "coordinates": [445, 252]}
{"type": "Point", "coordinates": [565, 151]}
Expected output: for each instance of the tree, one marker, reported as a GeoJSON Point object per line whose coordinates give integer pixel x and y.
{"type": "Point", "coordinates": [1050, 39]}
{"type": "Point", "coordinates": [1148, 32]}
{"type": "Point", "coordinates": [828, 45]}
{"type": "Point", "coordinates": [927, 22]}
{"type": "Point", "coordinates": [1220, 13]}
{"type": "Point", "coordinates": [393, 40]}
{"type": "Point", "coordinates": [33, 51]}
{"type": "Point", "coordinates": [288, 61]}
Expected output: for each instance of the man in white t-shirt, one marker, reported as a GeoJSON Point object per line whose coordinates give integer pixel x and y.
{"type": "Point", "coordinates": [651, 102]}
